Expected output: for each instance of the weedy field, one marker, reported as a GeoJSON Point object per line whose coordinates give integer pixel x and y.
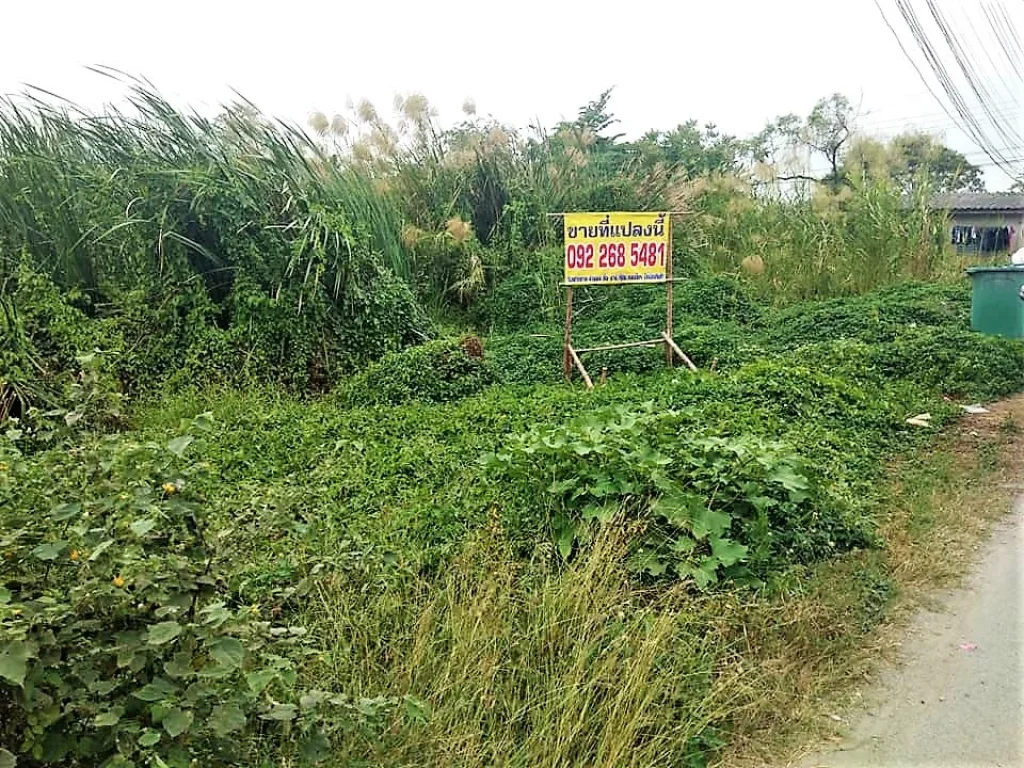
{"type": "Point", "coordinates": [278, 489]}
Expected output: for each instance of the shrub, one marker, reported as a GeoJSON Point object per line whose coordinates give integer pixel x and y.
{"type": "Point", "coordinates": [704, 508]}
{"type": "Point", "coordinates": [877, 317]}
{"type": "Point", "coordinates": [526, 358]}
{"type": "Point", "coordinates": [436, 372]}
{"type": "Point", "coordinates": [121, 637]}
{"type": "Point", "coordinates": [717, 298]}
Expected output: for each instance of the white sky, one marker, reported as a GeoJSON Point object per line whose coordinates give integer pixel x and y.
{"type": "Point", "coordinates": [737, 63]}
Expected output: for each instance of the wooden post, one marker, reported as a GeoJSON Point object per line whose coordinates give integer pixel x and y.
{"type": "Point", "coordinates": [567, 348]}
{"type": "Point", "coordinates": [668, 296]}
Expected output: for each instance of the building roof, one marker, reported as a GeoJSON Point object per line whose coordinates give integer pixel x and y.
{"type": "Point", "coordinates": [979, 201]}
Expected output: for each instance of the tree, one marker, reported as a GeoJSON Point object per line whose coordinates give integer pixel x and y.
{"type": "Point", "coordinates": [689, 149]}
{"type": "Point", "coordinates": [826, 131]}
{"type": "Point", "coordinates": [912, 160]}
{"type": "Point", "coordinates": [919, 157]}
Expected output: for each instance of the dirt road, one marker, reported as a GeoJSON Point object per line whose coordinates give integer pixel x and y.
{"type": "Point", "coordinates": [956, 696]}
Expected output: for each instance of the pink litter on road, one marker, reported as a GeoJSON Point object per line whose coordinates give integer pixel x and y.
{"type": "Point", "coordinates": [968, 646]}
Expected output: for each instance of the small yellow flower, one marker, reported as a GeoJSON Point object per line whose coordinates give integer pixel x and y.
{"type": "Point", "coordinates": [74, 554]}
{"type": "Point", "coordinates": [170, 488]}
{"type": "Point", "coordinates": [3, 467]}
{"type": "Point", "coordinates": [118, 582]}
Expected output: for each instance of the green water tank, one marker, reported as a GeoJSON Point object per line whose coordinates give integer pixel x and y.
{"type": "Point", "coordinates": [997, 300]}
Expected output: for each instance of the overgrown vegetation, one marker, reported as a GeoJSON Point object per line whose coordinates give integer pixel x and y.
{"type": "Point", "coordinates": [452, 558]}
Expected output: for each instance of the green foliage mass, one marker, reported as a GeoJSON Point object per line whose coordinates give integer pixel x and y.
{"type": "Point", "coordinates": [435, 372]}
{"type": "Point", "coordinates": [224, 526]}
{"type": "Point", "coordinates": [452, 559]}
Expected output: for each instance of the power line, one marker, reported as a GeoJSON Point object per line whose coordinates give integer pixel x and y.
{"type": "Point", "coordinates": [1007, 109]}
{"type": "Point", "coordinates": [970, 92]}
{"type": "Point", "coordinates": [918, 123]}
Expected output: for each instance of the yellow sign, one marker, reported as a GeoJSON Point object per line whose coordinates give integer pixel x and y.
{"type": "Point", "coordinates": [615, 248]}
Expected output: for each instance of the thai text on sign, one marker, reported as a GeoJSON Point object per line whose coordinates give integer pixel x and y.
{"type": "Point", "coordinates": [613, 248]}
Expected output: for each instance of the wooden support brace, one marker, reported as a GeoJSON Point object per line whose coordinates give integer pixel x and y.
{"type": "Point", "coordinates": [627, 345]}
{"type": "Point", "coordinates": [679, 353]}
{"type": "Point", "coordinates": [583, 371]}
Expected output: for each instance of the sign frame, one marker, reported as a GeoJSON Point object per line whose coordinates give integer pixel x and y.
{"type": "Point", "coordinates": [616, 247]}
{"type": "Point", "coordinates": [571, 354]}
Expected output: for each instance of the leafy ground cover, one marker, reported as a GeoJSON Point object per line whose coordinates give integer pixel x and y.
{"type": "Point", "coordinates": [455, 560]}
{"type": "Point", "coordinates": [288, 474]}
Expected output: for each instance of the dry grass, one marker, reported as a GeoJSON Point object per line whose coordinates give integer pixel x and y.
{"type": "Point", "coordinates": [528, 665]}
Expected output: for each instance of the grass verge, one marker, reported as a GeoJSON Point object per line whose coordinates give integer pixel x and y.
{"type": "Point", "coordinates": [812, 660]}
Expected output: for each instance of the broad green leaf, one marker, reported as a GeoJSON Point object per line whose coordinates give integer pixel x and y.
{"type": "Point", "coordinates": [49, 551]}
{"type": "Point", "coordinates": [565, 539]}
{"type": "Point", "coordinates": [149, 738]}
{"type": "Point", "coordinates": [258, 681]}
{"type": "Point", "coordinates": [648, 562]}
{"type": "Point", "coordinates": [316, 748]}
{"type": "Point", "coordinates": [683, 545]}
{"type": "Point", "coordinates": [216, 671]}
{"type": "Point", "coordinates": [727, 551]}
{"type": "Point", "coordinates": [215, 614]}
{"type": "Point", "coordinates": [788, 478]}
{"type": "Point", "coordinates": [707, 573]}
{"type": "Point", "coordinates": [368, 707]}
{"type": "Point", "coordinates": [203, 421]}
{"type": "Point", "coordinates": [179, 665]}
{"type": "Point", "coordinates": [226, 718]}
{"type": "Point", "coordinates": [228, 652]}
{"type": "Point", "coordinates": [282, 712]}
{"type": "Point", "coordinates": [600, 512]}
{"type": "Point", "coordinates": [312, 699]}
{"type": "Point", "coordinates": [178, 445]}
{"type": "Point", "coordinates": [604, 487]}
{"type": "Point", "coordinates": [417, 709]}
{"type": "Point", "coordinates": [561, 486]}
{"type": "Point", "coordinates": [177, 722]}
{"type": "Point", "coordinates": [157, 690]}
{"type": "Point", "coordinates": [142, 527]}
{"type": "Point", "coordinates": [7, 760]}
{"type": "Point", "coordinates": [100, 549]}
{"type": "Point", "coordinates": [109, 718]}
{"type": "Point", "coordinates": [704, 575]}
{"type": "Point", "coordinates": [679, 507]}
{"type": "Point", "coordinates": [709, 523]}
{"type": "Point", "coordinates": [63, 512]}
{"type": "Point", "coordinates": [164, 632]}
{"type": "Point", "coordinates": [5, 595]}
{"type": "Point", "coordinates": [14, 661]}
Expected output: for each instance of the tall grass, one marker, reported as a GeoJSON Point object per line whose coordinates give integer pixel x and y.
{"type": "Point", "coordinates": [525, 665]}
{"type": "Point", "coordinates": [145, 192]}
{"type": "Point", "coordinates": [820, 245]}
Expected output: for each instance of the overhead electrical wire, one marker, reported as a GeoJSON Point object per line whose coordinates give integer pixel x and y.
{"type": "Point", "coordinates": [981, 101]}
